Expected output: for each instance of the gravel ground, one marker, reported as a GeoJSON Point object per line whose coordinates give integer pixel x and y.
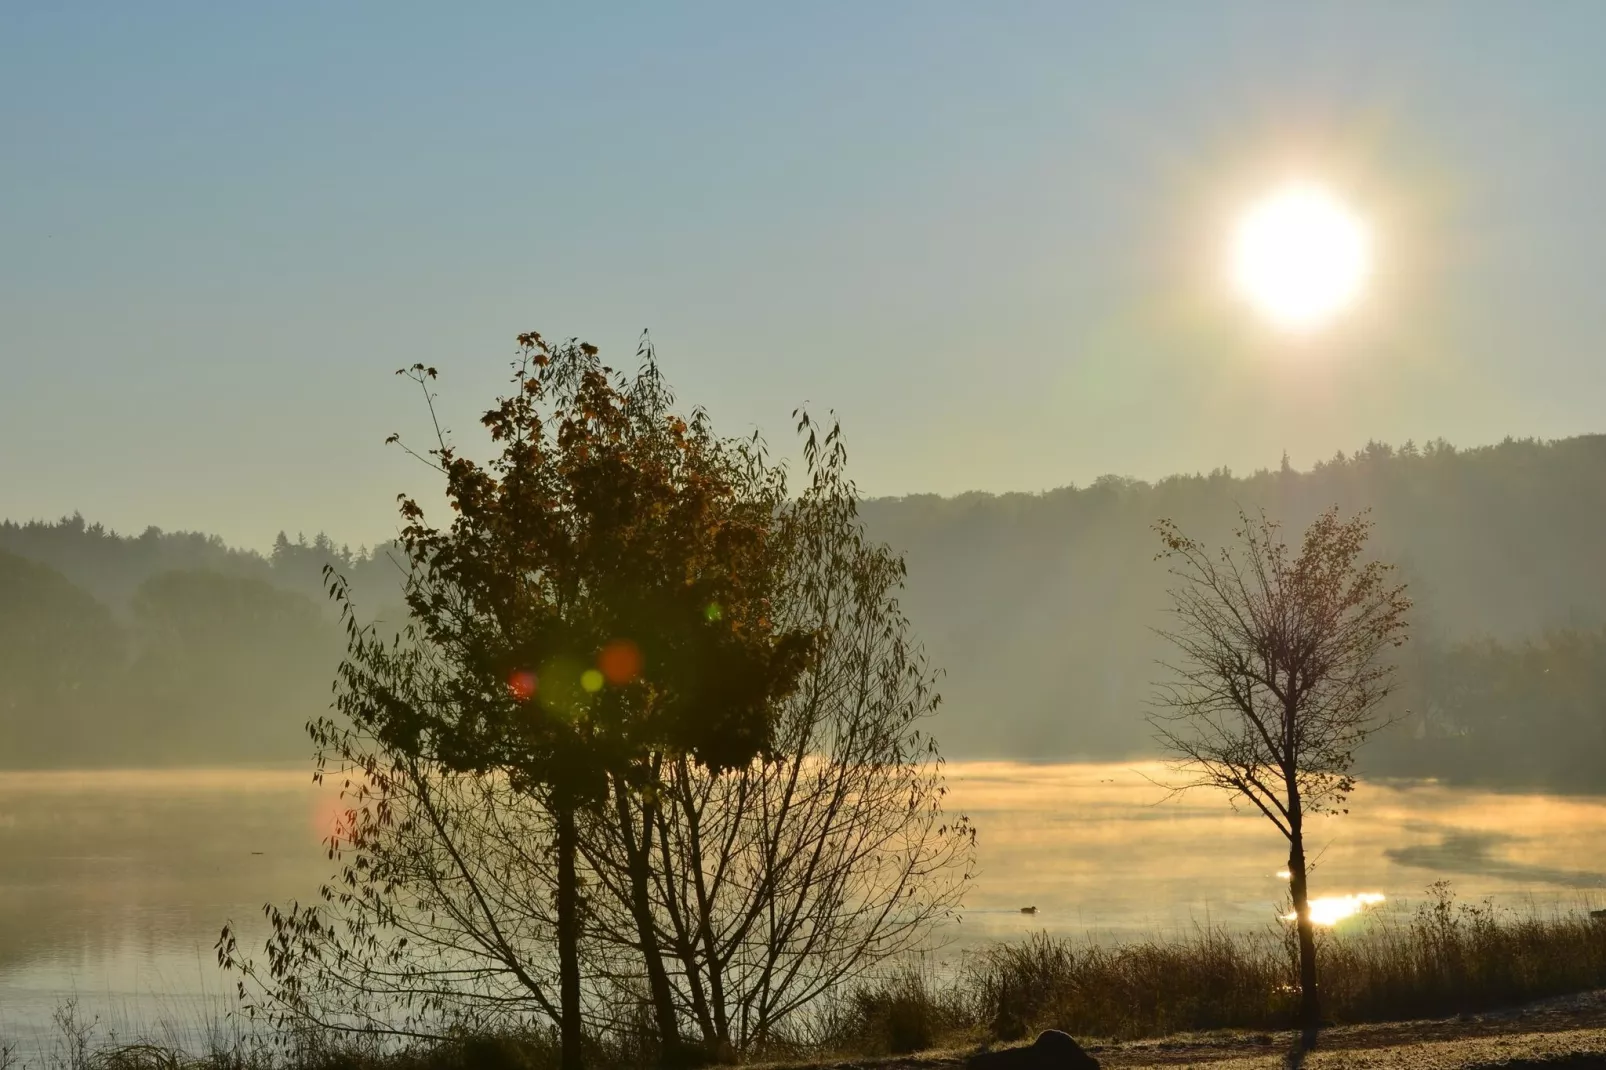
{"type": "Point", "coordinates": [1567, 1033]}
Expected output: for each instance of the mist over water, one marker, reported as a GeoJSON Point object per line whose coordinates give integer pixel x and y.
{"type": "Point", "coordinates": [113, 885]}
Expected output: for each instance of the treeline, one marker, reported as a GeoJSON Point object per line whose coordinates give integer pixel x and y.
{"type": "Point", "coordinates": [1529, 713]}
{"type": "Point", "coordinates": [167, 648]}
{"type": "Point", "coordinates": [198, 667]}
{"type": "Point", "coordinates": [111, 566]}
{"type": "Point", "coordinates": [1042, 607]}
{"type": "Point", "coordinates": [1039, 607]}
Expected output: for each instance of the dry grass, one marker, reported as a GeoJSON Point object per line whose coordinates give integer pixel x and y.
{"type": "Point", "coordinates": [1447, 958]}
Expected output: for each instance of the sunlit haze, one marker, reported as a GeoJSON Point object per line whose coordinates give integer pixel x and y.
{"type": "Point", "coordinates": [1300, 256]}
{"type": "Point", "coordinates": [222, 227]}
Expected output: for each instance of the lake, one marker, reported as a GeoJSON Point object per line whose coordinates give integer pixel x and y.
{"type": "Point", "coordinates": [113, 885]}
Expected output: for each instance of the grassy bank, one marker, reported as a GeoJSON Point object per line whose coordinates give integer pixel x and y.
{"type": "Point", "coordinates": [1441, 960]}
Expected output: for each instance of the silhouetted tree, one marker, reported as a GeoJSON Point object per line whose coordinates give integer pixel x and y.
{"type": "Point", "coordinates": [1279, 677]}
{"type": "Point", "coordinates": [602, 596]}
{"type": "Point", "coordinates": [791, 876]}
{"type": "Point", "coordinates": [752, 889]}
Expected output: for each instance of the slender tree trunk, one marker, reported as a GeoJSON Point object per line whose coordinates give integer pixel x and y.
{"type": "Point", "coordinates": [637, 858]}
{"type": "Point", "coordinates": [705, 908]}
{"type": "Point", "coordinates": [568, 939]}
{"type": "Point", "coordinates": [1310, 1006]}
{"type": "Point", "coordinates": [677, 908]}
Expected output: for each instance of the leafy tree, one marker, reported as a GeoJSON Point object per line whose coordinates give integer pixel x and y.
{"type": "Point", "coordinates": [603, 596]}
{"type": "Point", "coordinates": [753, 889]}
{"type": "Point", "coordinates": [1278, 679]}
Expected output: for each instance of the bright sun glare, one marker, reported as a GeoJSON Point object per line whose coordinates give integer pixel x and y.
{"type": "Point", "coordinates": [1300, 256]}
{"type": "Point", "coordinates": [1332, 909]}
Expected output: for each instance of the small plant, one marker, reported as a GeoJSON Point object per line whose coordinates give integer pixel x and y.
{"type": "Point", "coordinates": [73, 1036]}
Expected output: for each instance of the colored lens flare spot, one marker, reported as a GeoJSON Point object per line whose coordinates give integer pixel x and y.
{"type": "Point", "coordinates": [521, 682]}
{"type": "Point", "coordinates": [620, 662]}
{"type": "Point", "coordinates": [332, 817]}
{"type": "Point", "coordinates": [591, 680]}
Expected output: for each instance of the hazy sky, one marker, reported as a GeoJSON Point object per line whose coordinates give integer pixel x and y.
{"type": "Point", "coordinates": [990, 236]}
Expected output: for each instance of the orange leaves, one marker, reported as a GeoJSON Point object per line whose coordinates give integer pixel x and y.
{"type": "Point", "coordinates": [603, 515]}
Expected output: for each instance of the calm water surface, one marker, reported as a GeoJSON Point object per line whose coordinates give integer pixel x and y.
{"type": "Point", "coordinates": [113, 885]}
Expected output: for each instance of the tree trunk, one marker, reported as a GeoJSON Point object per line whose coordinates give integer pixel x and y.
{"type": "Point", "coordinates": [637, 859]}
{"type": "Point", "coordinates": [1310, 1006]}
{"type": "Point", "coordinates": [568, 940]}
{"type": "Point", "coordinates": [705, 908]}
{"type": "Point", "coordinates": [677, 909]}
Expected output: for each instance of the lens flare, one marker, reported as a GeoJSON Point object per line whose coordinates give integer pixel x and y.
{"type": "Point", "coordinates": [592, 680]}
{"type": "Point", "coordinates": [620, 662]}
{"type": "Point", "coordinates": [562, 689]}
{"type": "Point", "coordinates": [521, 682]}
{"type": "Point", "coordinates": [332, 816]}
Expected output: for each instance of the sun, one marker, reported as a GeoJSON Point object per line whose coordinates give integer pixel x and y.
{"type": "Point", "coordinates": [1300, 256]}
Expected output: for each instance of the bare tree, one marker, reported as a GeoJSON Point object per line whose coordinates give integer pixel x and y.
{"type": "Point", "coordinates": [777, 882]}
{"type": "Point", "coordinates": [1280, 676]}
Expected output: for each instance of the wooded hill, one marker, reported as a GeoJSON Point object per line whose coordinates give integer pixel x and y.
{"type": "Point", "coordinates": [1040, 607]}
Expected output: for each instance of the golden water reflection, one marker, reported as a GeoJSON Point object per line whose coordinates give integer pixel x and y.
{"type": "Point", "coordinates": [1101, 851]}
{"type": "Point", "coordinates": [113, 885]}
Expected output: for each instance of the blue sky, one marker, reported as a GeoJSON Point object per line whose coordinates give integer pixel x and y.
{"type": "Point", "coordinates": [989, 236]}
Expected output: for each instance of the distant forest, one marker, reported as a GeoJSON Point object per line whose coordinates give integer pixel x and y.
{"type": "Point", "coordinates": [173, 648]}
